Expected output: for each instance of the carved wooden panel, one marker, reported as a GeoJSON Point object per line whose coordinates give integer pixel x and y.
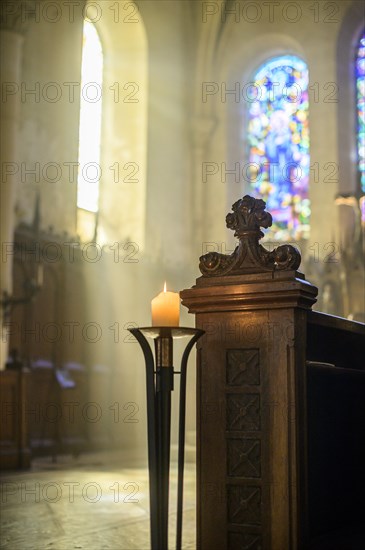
{"type": "Point", "coordinates": [244, 457]}
{"type": "Point", "coordinates": [243, 412]}
{"type": "Point", "coordinates": [244, 504]}
{"type": "Point", "coordinates": [244, 449]}
{"type": "Point", "coordinates": [243, 367]}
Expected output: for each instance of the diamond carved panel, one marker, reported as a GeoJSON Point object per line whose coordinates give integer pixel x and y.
{"type": "Point", "coordinates": [243, 367]}
{"type": "Point", "coordinates": [244, 504]}
{"type": "Point", "coordinates": [244, 457]}
{"type": "Point", "coordinates": [243, 412]}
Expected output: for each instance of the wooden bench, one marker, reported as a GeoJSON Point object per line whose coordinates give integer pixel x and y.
{"type": "Point", "coordinates": [280, 403]}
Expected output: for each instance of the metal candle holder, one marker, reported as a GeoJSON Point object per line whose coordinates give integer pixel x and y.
{"type": "Point", "coordinates": [159, 384]}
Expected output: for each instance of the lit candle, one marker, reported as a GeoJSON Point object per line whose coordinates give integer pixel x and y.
{"type": "Point", "coordinates": [166, 309]}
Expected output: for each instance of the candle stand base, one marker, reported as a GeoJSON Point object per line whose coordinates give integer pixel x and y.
{"type": "Point", "coordinates": [159, 385]}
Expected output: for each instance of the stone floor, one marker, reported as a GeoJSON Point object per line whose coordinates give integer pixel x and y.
{"type": "Point", "coordinates": [86, 503]}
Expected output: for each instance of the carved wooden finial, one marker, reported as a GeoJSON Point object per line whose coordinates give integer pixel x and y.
{"type": "Point", "coordinates": [249, 256]}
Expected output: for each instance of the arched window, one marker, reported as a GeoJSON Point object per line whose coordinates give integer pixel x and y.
{"type": "Point", "coordinates": [360, 102]}
{"type": "Point", "coordinates": [278, 137]}
{"type": "Point", "coordinates": [89, 131]}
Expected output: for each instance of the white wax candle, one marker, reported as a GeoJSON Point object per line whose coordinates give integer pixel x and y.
{"type": "Point", "coordinates": [166, 309]}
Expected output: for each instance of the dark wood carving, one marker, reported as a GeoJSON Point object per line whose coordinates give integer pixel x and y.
{"type": "Point", "coordinates": [243, 411]}
{"type": "Point", "coordinates": [243, 447]}
{"type": "Point", "coordinates": [244, 504]}
{"type": "Point", "coordinates": [243, 367]}
{"type": "Point", "coordinates": [244, 457]}
{"type": "Point", "coordinates": [249, 256]}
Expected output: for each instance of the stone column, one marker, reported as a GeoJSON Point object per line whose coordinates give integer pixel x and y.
{"type": "Point", "coordinates": [12, 27]}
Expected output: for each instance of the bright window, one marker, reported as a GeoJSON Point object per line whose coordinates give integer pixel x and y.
{"type": "Point", "coordinates": [360, 101]}
{"type": "Point", "coordinates": [278, 137]}
{"type": "Point", "coordinates": [90, 120]}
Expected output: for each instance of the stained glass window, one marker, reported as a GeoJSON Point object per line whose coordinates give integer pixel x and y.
{"type": "Point", "coordinates": [278, 137]}
{"type": "Point", "coordinates": [360, 99]}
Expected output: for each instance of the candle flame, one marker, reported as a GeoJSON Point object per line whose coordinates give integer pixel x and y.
{"type": "Point", "coordinates": [164, 287]}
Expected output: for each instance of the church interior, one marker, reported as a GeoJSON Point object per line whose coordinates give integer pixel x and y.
{"type": "Point", "coordinates": [128, 131]}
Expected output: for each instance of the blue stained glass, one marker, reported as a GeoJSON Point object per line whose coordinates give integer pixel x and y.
{"type": "Point", "coordinates": [278, 137]}
{"type": "Point", "coordinates": [360, 100]}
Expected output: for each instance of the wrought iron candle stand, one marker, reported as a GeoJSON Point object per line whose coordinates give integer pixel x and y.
{"type": "Point", "coordinates": [159, 384]}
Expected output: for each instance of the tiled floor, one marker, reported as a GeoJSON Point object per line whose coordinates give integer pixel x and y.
{"type": "Point", "coordinates": [86, 503]}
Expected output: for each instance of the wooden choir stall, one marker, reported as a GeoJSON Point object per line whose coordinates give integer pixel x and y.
{"type": "Point", "coordinates": [280, 401]}
{"type": "Point", "coordinates": [47, 390]}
